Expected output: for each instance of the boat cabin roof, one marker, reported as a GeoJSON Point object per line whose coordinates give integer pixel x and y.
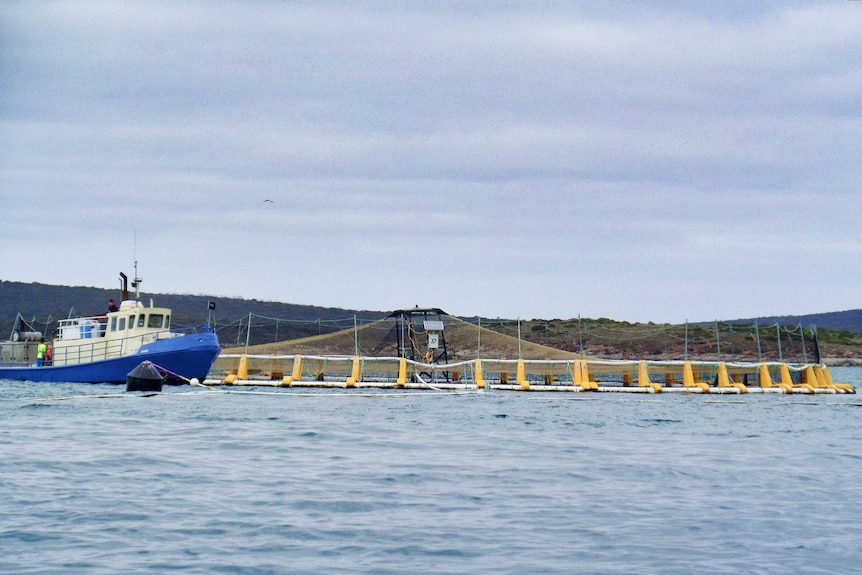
{"type": "Point", "coordinates": [131, 319]}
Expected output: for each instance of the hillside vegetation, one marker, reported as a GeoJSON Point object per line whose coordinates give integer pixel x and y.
{"type": "Point", "coordinates": [463, 340]}
{"type": "Point", "coordinates": [292, 328]}
{"type": "Point", "coordinates": [41, 302]}
{"type": "Point", "coordinates": [568, 339]}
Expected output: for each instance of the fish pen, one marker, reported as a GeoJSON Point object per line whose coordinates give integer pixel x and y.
{"type": "Point", "coordinates": [577, 375]}
{"type": "Point", "coordinates": [433, 336]}
{"type": "Point", "coordinates": [425, 347]}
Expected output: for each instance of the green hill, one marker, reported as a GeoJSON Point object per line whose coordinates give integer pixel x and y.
{"type": "Point", "coordinates": [43, 302]}
{"type": "Point", "coordinates": [850, 320]}
{"type": "Point", "coordinates": [294, 328]}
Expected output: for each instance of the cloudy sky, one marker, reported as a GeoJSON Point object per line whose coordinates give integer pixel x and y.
{"type": "Point", "coordinates": [643, 161]}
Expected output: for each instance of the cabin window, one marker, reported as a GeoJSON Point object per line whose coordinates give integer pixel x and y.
{"type": "Point", "coordinates": [113, 324]}
{"type": "Point", "coordinates": [131, 322]}
{"type": "Point", "coordinates": [122, 324]}
{"type": "Point", "coordinates": [141, 320]}
{"type": "Point", "coordinates": [167, 322]}
{"type": "Point", "coordinates": [155, 320]}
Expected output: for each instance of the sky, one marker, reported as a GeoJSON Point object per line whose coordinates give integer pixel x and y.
{"type": "Point", "coordinates": [641, 161]}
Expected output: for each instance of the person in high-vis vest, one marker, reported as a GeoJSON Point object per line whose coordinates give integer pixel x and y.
{"type": "Point", "coordinates": [40, 352]}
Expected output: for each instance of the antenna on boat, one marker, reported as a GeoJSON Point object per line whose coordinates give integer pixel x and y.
{"type": "Point", "coordinates": [136, 283]}
{"type": "Point", "coordinates": [210, 325]}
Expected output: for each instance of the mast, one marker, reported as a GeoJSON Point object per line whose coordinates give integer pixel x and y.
{"type": "Point", "coordinates": [136, 283]}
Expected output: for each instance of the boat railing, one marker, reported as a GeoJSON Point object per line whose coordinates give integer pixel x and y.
{"type": "Point", "coordinates": [17, 363]}
{"type": "Point", "coordinates": [82, 327]}
{"type": "Point", "coordinates": [86, 351]}
{"type": "Point", "coordinates": [99, 348]}
{"type": "Point", "coordinates": [94, 346]}
{"type": "Point", "coordinates": [187, 330]}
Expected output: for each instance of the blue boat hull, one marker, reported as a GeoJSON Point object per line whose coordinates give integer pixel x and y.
{"type": "Point", "coordinates": [188, 356]}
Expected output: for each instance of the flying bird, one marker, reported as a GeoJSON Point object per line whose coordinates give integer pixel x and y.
{"type": "Point", "coordinates": [270, 201]}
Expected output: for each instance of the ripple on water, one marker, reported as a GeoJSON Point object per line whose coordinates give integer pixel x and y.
{"type": "Point", "coordinates": [502, 482]}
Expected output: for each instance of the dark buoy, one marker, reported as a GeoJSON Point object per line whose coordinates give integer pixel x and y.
{"type": "Point", "coordinates": [145, 377]}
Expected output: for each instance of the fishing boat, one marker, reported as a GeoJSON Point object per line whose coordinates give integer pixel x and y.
{"type": "Point", "coordinates": [105, 348]}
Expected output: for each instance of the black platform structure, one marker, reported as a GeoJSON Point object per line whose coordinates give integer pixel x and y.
{"type": "Point", "coordinates": [420, 335]}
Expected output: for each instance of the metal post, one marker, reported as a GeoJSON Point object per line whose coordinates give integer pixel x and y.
{"type": "Point", "coordinates": [802, 337]}
{"type": "Point", "coordinates": [757, 335]}
{"type": "Point", "coordinates": [778, 331]}
{"type": "Point", "coordinates": [355, 337]}
{"type": "Point", "coordinates": [248, 333]}
{"type": "Point", "coordinates": [818, 356]}
{"type": "Point", "coordinates": [519, 338]}
{"type": "Point", "coordinates": [479, 340]}
{"type": "Point", "coordinates": [717, 340]}
{"type": "Point", "coordinates": [580, 338]}
{"type": "Point", "coordinates": [686, 339]}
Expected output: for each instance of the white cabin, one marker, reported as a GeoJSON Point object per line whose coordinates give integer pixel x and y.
{"type": "Point", "coordinates": [123, 332]}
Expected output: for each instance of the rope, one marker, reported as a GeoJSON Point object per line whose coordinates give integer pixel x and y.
{"type": "Point", "coordinates": [416, 376]}
{"type": "Point", "coordinates": [193, 382]}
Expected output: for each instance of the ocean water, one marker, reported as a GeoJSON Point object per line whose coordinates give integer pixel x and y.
{"type": "Point", "coordinates": [347, 481]}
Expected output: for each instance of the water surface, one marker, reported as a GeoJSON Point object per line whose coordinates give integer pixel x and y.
{"type": "Point", "coordinates": [347, 481]}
